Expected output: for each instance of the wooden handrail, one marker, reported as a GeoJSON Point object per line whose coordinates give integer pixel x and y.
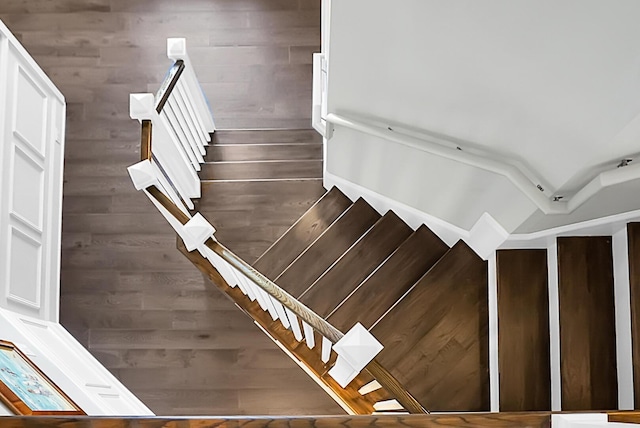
{"type": "Point", "coordinates": [145, 141]}
{"type": "Point", "coordinates": [382, 375]}
{"type": "Point", "coordinates": [172, 84]}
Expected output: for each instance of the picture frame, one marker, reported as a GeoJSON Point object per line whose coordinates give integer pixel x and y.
{"type": "Point", "coordinates": [26, 390]}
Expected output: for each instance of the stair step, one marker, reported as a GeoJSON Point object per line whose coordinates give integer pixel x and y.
{"type": "Point", "coordinates": [403, 269]}
{"type": "Point", "coordinates": [327, 248]}
{"type": "Point", "coordinates": [523, 330]}
{"type": "Point", "coordinates": [250, 216]}
{"type": "Point", "coordinates": [587, 323]}
{"type": "Point", "coordinates": [266, 136]}
{"type": "Point", "coordinates": [436, 337]}
{"type": "Point", "coordinates": [261, 170]}
{"type": "Point", "coordinates": [263, 152]}
{"type": "Point", "coordinates": [335, 284]}
{"type": "Point", "coordinates": [306, 230]}
{"type": "Point", "coordinates": [633, 237]}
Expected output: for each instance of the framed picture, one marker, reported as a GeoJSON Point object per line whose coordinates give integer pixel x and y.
{"type": "Point", "coordinates": [28, 391]}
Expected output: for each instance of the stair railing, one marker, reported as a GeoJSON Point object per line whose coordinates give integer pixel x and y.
{"type": "Point", "coordinates": [176, 126]}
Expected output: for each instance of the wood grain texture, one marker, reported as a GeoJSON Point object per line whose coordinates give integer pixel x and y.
{"type": "Point", "coordinates": [498, 420]}
{"type": "Point", "coordinates": [306, 229]}
{"type": "Point", "coordinates": [261, 170]}
{"type": "Point", "coordinates": [633, 239]}
{"type": "Point", "coordinates": [436, 337]}
{"type": "Point", "coordinates": [327, 248]}
{"type": "Point", "coordinates": [380, 291]}
{"type": "Point", "coordinates": [587, 324]}
{"type": "Point", "coordinates": [354, 266]}
{"type": "Point", "coordinates": [122, 287]}
{"type": "Point", "coordinates": [523, 330]}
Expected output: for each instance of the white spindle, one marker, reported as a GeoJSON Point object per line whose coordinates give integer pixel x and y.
{"type": "Point", "coordinates": [184, 92]}
{"type": "Point", "coordinates": [178, 133]}
{"type": "Point", "coordinates": [326, 349]}
{"type": "Point", "coordinates": [282, 314]}
{"type": "Point", "coordinates": [309, 335]}
{"type": "Point", "coordinates": [295, 325]}
{"type": "Point", "coordinates": [190, 120]}
{"type": "Point", "coordinates": [387, 405]}
{"type": "Point", "coordinates": [188, 142]}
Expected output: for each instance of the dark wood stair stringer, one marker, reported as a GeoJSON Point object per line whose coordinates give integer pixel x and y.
{"type": "Point", "coordinates": [337, 282]}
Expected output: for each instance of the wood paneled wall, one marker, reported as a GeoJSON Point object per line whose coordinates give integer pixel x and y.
{"type": "Point", "coordinates": [127, 293]}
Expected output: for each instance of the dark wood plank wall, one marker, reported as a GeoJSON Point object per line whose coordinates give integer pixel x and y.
{"type": "Point", "coordinates": [142, 309]}
{"type": "Point", "coordinates": [523, 330]}
{"type": "Point", "coordinates": [587, 324]}
{"type": "Point", "coordinates": [633, 235]}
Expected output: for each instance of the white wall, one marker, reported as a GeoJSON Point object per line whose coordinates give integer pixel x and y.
{"type": "Point", "coordinates": [549, 84]}
{"type": "Point", "coordinates": [446, 189]}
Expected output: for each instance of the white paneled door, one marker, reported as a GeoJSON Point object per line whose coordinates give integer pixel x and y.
{"type": "Point", "coordinates": [32, 113]}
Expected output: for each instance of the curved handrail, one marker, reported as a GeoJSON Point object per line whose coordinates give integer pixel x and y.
{"type": "Point", "coordinates": [386, 379]}
{"type": "Point", "coordinates": [518, 178]}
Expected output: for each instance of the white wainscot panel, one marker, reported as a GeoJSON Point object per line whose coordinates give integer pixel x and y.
{"type": "Point", "coordinates": [25, 270]}
{"type": "Point", "coordinates": [27, 189]}
{"type": "Point", "coordinates": [30, 105]}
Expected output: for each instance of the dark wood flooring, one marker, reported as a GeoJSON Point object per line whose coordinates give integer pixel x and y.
{"type": "Point", "coordinates": [127, 293]}
{"type": "Point", "coordinates": [587, 326]}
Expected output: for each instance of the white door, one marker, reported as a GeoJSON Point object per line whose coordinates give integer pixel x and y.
{"type": "Point", "coordinates": [32, 113]}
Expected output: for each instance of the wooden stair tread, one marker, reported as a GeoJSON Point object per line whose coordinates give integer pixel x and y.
{"type": "Point", "coordinates": [263, 152]}
{"type": "Point", "coordinates": [261, 170]}
{"type": "Point", "coordinates": [436, 337]}
{"type": "Point", "coordinates": [266, 136]}
{"type": "Point", "coordinates": [587, 323]}
{"type": "Point", "coordinates": [326, 249]}
{"type": "Point", "coordinates": [403, 269]}
{"type": "Point", "coordinates": [306, 230]}
{"type": "Point", "coordinates": [335, 284]}
{"type": "Point", "coordinates": [523, 330]}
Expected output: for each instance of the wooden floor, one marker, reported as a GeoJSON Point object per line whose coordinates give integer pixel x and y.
{"type": "Point", "coordinates": [142, 309]}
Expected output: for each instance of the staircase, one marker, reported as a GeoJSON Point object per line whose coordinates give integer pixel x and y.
{"type": "Point", "coordinates": [427, 303]}
{"type": "Point", "coordinates": [405, 286]}
{"type": "Point", "coordinates": [343, 264]}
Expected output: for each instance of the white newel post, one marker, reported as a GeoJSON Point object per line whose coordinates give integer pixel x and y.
{"type": "Point", "coordinates": [355, 350]}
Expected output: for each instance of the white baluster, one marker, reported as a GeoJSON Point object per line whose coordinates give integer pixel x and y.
{"type": "Point", "coordinates": [326, 349]}
{"type": "Point", "coordinates": [309, 335]}
{"type": "Point", "coordinates": [295, 325]}
{"type": "Point", "coordinates": [188, 115]}
{"type": "Point", "coordinates": [282, 314]}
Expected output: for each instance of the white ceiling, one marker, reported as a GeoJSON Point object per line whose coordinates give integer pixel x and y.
{"type": "Point", "coordinates": [554, 84]}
